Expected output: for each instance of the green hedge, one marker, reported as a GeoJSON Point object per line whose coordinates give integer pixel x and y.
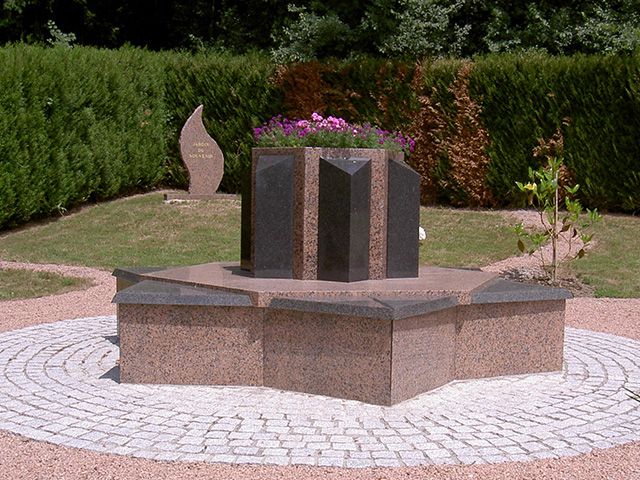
{"type": "Point", "coordinates": [526, 98]}
{"type": "Point", "coordinates": [76, 125]}
{"type": "Point", "coordinates": [83, 124]}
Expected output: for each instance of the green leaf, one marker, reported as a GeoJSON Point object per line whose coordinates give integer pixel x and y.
{"type": "Point", "coordinates": [572, 190]}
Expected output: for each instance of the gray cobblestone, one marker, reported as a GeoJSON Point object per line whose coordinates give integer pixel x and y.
{"type": "Point", "coordinates": [53, 388]}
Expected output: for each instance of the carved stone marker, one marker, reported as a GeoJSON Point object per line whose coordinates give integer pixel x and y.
{"type": "Point", "coordinates": [203, 159]}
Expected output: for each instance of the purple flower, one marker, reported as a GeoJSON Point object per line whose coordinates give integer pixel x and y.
{"type": "Point", "coordinates": [330, 131]}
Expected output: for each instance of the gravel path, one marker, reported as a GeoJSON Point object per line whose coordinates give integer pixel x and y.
{"type": "Point", "coordinates": [27, 459]}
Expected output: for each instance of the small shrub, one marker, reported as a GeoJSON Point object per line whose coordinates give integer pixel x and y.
{"type": "Point", "coordinates": [543, 191]}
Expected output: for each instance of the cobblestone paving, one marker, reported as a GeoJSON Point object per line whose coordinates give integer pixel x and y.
{"type": "Point", "coordinates": [58, 384]}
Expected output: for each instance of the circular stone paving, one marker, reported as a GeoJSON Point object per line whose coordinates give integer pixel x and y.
{"type": "Point", "coordinates": [58, 383]}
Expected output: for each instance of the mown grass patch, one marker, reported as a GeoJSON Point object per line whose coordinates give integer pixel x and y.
{"type": "Point", "coordinates": [612, 266]}
{"type": "Point", "coordinates": [465, 238]}
{"type": "Point", "coordinates": [133, 232]}
{"type": "Point", "coordinates": [144, 231]}
{"type": "Point", "coordinates": [19, 284]}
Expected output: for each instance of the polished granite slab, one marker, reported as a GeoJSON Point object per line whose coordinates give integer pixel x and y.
{"type": "Point", "coordinates": [460, 283]}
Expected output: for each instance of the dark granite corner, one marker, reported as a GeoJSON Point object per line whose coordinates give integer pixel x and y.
{"type": "Point", "coordinates": [502, 291]}
{"type": "Point", "coordinates": [135, 275]}
{"type": "Point", "coordinates": [150, 292]}
{"type": "Point", "coordinates": [273, 217]}
{"type": "Point", "coordinates": [385, 308]}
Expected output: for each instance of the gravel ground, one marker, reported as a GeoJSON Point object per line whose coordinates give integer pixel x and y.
{"type": "Point", "coordinates": [28, 459]}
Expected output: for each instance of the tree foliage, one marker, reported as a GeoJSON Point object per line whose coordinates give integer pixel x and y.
{"type": "Point", "coordinates": [317, 29]}
{"type": "Point", "coordinates": [455, 28]}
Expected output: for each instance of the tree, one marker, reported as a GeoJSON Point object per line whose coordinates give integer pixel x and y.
{"type": "Point", "coordinates": [331, 28]}
{"type": "Point", "coordinates": [460, 28]}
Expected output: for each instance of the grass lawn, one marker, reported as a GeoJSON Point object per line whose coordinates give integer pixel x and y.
{"type": "Point", "coordinates": [613, 265]}
{"type": "Point", "coordinates": [144, 231]}
{"type": "Point", "coordinates": [139, 231]}
{"type": "Point", "coordinates": [18, 284]}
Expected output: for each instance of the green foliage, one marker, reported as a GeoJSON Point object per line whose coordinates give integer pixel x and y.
{"type": "Point", "coordinates": [447, 28]}
{"type": "Point", "coordinates": [544, 192]}
{"type": "Point", "coordinates": [237, 96]}
{"type": "Point", "coordinates": [319, 29]}
{"type": "Point", "coordinates": [312, 36]}
{"type": "Point", "coordinates": [428, 28]}
{"type": "Point", "coordinates": [58, 37]}
{"type": "Point", "coordinates": [563, 27]}
{"type": "Point", "coordinates": [525, 97]}
{"type": "Point", "coordinates": [77, 124]}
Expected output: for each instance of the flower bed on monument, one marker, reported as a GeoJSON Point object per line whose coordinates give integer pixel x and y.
{"type": "Point", "coordinates": [329, 132]}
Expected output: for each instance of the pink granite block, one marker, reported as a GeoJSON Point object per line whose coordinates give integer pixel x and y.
{"type": "Point", "coordinates": [334, 355]}
{"type": "Point", "coordinates": [378, 221]}
{"type": "Point", "coordinates": [423, 353]}
{"type": "Point", "coordinates": [509, 338]}
{"type": "Point", "coordinates": [305, 248]}
{"type": "Point", "coordinates": [198, 345]}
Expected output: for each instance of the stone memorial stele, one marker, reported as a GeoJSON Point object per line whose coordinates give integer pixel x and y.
{"type": "Point", "coordinates": [203, 158]}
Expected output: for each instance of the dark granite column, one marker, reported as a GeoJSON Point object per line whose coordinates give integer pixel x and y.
{"type": "Point", "coordinates": [403, 220]}
{"type": "Point", "coordinates": [273, 216]}
{"type": "Point", "coordinates": [246, 233]}
{"type": "Point", "coordinates": [343, 219]}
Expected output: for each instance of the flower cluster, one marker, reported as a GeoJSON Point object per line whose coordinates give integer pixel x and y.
{"type": "Point", "coordinates": [329, 132]}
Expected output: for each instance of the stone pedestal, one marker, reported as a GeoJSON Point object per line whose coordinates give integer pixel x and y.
{"type": "Point", "coordinates": [328, 298]}
{"type": "Point", "coordinates": [376, 341]}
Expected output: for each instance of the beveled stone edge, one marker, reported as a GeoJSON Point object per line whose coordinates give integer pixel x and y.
{"type": "Point", "coordinates": [151, 292]}
{"type": "Point", "coordinates": [135, 274]}
{"type": "Point", "coordinates": [500, 290]}
{"type": "Point", "coordinates": [190, 196]}
{"type": "Point", "coordinates": [383, 307]}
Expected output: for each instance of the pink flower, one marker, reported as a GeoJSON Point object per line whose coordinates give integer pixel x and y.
{"type": "Point", "coordinates": [316, 117]}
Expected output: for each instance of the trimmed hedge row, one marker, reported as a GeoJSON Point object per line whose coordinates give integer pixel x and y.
{"type": "Point", "coordinates": [84, 124]}
{"type": "Point", "coordinates": [477, 123]}
{"type": "Point", "coordinates": [77, 125]}
{"type": "Point", "coordinates": [526, 98]}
